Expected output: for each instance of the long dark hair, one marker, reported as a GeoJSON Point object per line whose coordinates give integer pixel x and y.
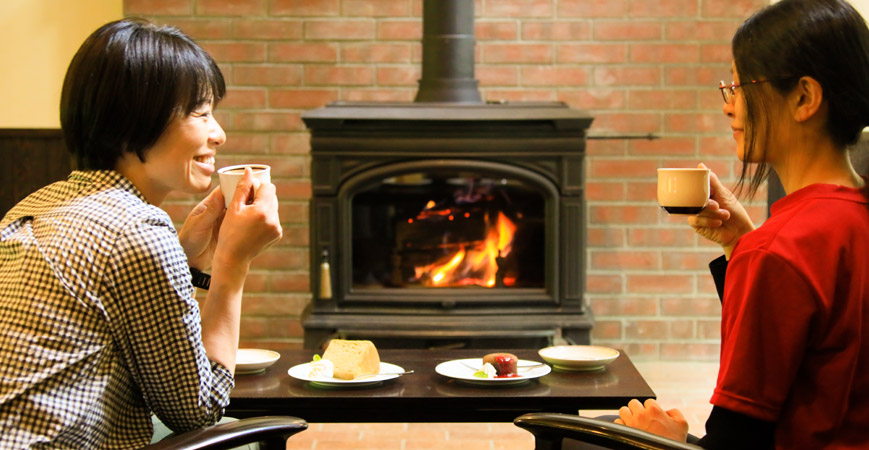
{"type": "Point", "coordinates": [127, 81]}
{"type": "Point", "coordinates": [824, 39]}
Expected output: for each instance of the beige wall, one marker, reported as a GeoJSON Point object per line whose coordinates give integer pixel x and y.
{"type": "Point", "coordinates": [37, 41]}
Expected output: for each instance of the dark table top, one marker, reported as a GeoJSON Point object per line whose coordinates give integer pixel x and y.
{"type": "Point", "coordinates": [426, 396]}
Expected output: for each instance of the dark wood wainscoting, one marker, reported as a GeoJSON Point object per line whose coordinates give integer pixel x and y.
{"type": "Point", "coordinates": [29, 160]}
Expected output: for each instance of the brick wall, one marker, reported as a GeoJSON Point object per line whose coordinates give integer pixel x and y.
{"type": "Point", "coordinates": [639, 66]}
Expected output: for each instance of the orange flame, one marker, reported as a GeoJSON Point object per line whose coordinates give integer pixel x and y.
{"type": "Point", "coordinates": [476, 265]}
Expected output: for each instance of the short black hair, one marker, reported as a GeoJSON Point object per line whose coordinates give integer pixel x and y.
{"type": "Point", "coordinates": [824, 39]}
{"type": "Point", "coordinates": [127, 81]}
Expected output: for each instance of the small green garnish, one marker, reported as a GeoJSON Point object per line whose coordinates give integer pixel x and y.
{"type": "Point", "coordinates": [316, 357]}
{"type": "Point", "coordinates": [480, 374]}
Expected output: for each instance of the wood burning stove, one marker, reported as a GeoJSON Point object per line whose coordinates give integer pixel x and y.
{"type": "Point", "coordinates": [447, 221]}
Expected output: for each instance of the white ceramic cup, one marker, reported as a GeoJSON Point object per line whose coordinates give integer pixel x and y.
{"type": "Point", "coordinates": [230, 176]}
{"type": "Point", "coordinates": [683, 191]}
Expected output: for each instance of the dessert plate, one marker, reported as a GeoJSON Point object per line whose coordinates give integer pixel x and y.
{"type": "Point", "coordinates": [303, 371]}
{"type": "Point", "coordinates": [578, 357]}
{"type": "Point", "coordinates": [254, 360]}
{"type": "Point", "coordinates": [463, 370]}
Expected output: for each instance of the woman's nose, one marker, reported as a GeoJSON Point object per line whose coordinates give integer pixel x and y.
{"type": "Point", "coordinates": [728, 109]}
{"type": "Point", "coordinates": [216, 136]}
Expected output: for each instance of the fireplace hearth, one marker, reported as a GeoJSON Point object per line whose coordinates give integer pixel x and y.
{"type": "Point", "coordinates": [447, 221]}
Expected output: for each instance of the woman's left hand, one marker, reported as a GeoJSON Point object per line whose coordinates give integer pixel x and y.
{"type": "Point", "coordinates": [652, 418]}
{"type": "Point", "coordinates": [198, 235]}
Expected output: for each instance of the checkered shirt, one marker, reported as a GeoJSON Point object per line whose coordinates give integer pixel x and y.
{"type": "Point", "coordinates": [98, 322]}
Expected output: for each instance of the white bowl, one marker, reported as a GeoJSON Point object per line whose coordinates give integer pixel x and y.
{"type": "Point", "coordinates": [254, 360]}
{"type": "Point", "coordinates": [578, 357]}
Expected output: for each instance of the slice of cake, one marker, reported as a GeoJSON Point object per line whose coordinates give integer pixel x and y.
{"type": "Point", "coordinates": [352, 358]}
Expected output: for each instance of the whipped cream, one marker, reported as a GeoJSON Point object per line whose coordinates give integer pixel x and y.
{"type": "Point", "coordinates": [322, 368]}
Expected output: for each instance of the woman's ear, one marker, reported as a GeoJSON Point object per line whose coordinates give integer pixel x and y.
{"type": "Point", "coordinates": [807, 98]}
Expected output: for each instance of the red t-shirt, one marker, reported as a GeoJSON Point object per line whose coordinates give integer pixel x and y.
{"type": "Point", "coordinates": [794, 316]}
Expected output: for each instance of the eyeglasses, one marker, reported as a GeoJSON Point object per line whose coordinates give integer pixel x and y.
{"type": "Point", "coordinates": [729, 92]}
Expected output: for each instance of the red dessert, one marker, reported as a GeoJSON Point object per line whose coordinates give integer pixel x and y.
{"type": "Point", "coordinates": [506, 364]}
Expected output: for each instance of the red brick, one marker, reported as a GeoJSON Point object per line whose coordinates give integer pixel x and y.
{"type": "Point", "coordinates": [516, 53]}
{"type": "Point", "coordinates": [615, 214]}
{"type": "Point", "coordinates": [200, 29]}
{"type": "Point", "coordinates": [375, 53]}
{"type": "Point", "coordinates": [235, 51]}
{"type": "Point", "coordinates": [620, 168]}
{"type": "Point", "coordinates": [606, 329]}
{"type": "Point", "coordinates": [715, 53]}
{"type": "Point", "coordinates": [158, 7]}
{"type": "Point", "coordinates": [271, 304]}
{"type": "Point", "coordinates": [376, 8]}
{"type": "Point", "coordinates": [717, 146]}
{"type": "Point", "coordinates": [554, 76]}
{"type": "Point", "coordinates": [604, 191]}
{"type": "Point", "coordinates": [591, 53]}
{"type": "Point", "coordinates": [400, 30]}
{"type": "Point", "coordinates": [301, 98]}
{"type": "Point", "coordinates": [700, 30]}
{"type": "Point", "coordinates": [398, 76]}
{"type": "Point", "coordinates": [303, 52]}
{"type": "Point", "coordinates": [624, 306]}
{"type": "Point", "coordinates": [705, 77]}
{"type": "Point", "coordinates": [556, 31]}
{"type": "Point", "coordinates": [522, 95]}
{"type": "Point", "coordinates": [237, 97]}
{"type": "Point", "coordinates": [675, 351]}
{"type": "Point", "coordinates": [339, 30]}
{"type": "Point", "coordinates": [296, 235]}
{"type": "Point", "coordinates": [231, 7]}
{"type": "Point", "coordinates": [660, 237]}
{"type": "Point", "coordinates": [665, 146]}
{"type": "Point", "coordinates": [608, 236]}
{"type": "Point", "coordinates": [664, 53]}
{"type": "Point", "coordinates": [288, 144]}
{"type": "Point", "coordinates": [497, 75]}
{"type": "Point", "coordinates": [294, 212]}
{"type": "Point", "coordinates": [736, 8]}
{"type": "Point", "coordinates": [709, 329]}
{"type": "Point", "coordinates": [603, 284]}
{"type": "Point", "coordinates": [518, 8]}
{"type": "Point", "coordinates": [599, 145]}
{"type": "Point", "coordinates": [663, 8]}
{"type": "Point", "coordinates": [647, 329]}
{"type": "Point", "coordinates": [627, 75]}
{"type": "Point", "coordinates": [245, 143]}
{"type": "Point", "coordinates": [643, 191]}
{"type": "Point", "coordinates": [628, 30]}
{"type": "Point", "coordinates": [377, 95]}
{"type": "Point", "coordinates": [295, 190]}
{"type": "Point", "coordinates": [663, 99]}
{"type": "Point", "coordinates": [691, 306]}
{"type": "Point", "coordinates": [284, 259]}
{"type": "Point", "coordinates": [304, 7]}
{"type": "Point", "coordinates": [279, 282]}
{"type": "Point", "coordinates": [657, 284]}
{"type": "Point", "coordinates": [495, 31]}
{"type": "Point", "coordinates": [696, 123]}
{"type": "Point", "coordinates": [266, 121]}
{"type": "Point", "coordinates": [592, 8]}
{"type": "Point", "coordinates": [688, 261]}
{"type": "Point", "coordinates": [594, 98]}
{"type": "Point", "coordinates": [278, 327]}
{"type": "Point", "coordinates": [266, 75]}
{"type": "Point", "coordinates": [627, 123]}
{"type": "Point", "coordinates": [338, 75]}
{"type": "Point", "coordinates": [624, 260]}
{"type": "Point", "coordinates": [269, 29]}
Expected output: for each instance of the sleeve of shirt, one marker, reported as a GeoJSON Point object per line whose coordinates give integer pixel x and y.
{"type": "Point", "coordinates": [753, 433]}
{"type": "Point", "coordinates": [156, 323]}
{"type": "Point", "coordinates": [767, 315]}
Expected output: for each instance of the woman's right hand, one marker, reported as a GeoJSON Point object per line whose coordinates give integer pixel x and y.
{"type": "Point", "coordinates": [251, 223]}
{"type": "Point", "coordinates": [724, 220]}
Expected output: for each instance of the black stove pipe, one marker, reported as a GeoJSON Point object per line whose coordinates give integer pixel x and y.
{"type": "Point", "coordinates": [448, 53]}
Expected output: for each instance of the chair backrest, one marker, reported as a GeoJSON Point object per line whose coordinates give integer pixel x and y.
{"type": "Point", "coordinates": [272, 431]}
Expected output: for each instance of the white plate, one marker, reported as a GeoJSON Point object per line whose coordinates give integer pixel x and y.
{"type": "Point", "coordinates": [578, 357]}
{"type": "Point", "coordinates": [302, 372]}
{"type": "Point", "coordinates": [254, 360]}
{"type": "Point", "coordinates": [463, 370]}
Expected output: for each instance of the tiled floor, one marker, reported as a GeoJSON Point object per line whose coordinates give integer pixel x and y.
{"type": "Point", "coordinates": [683, 385]}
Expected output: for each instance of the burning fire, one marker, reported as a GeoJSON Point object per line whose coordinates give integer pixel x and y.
{"type": "Point", "coordinates": [473, 264]}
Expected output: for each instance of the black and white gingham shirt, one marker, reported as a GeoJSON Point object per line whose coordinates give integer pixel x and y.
{"type": "Point", "coordinates": [98, 321]}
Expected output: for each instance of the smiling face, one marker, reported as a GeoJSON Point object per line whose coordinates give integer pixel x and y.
{"type": "Point", "coordinates": [182, 159]}
{"type": "Point", "coordinates": [737, 113]}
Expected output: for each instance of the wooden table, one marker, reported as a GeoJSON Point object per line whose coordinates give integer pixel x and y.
{"type": "Point", "coordinates": [426, 396]}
